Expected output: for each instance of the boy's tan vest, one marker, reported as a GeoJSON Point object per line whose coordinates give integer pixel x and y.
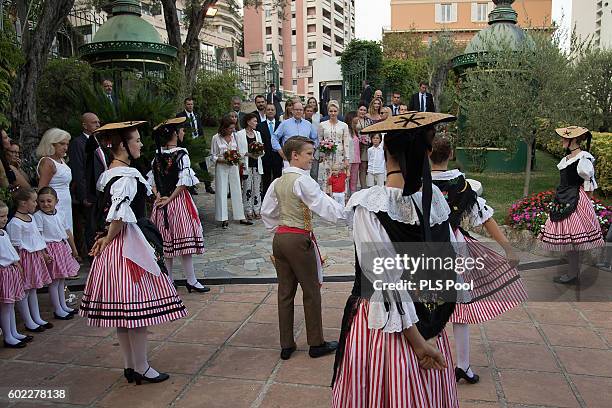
{"type": "Point", "coordinates": [293, 212]}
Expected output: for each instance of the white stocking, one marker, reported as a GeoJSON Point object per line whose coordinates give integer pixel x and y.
{"type": "Point", "coordinates": [34, 310]}
{"type": "Point", "coordinates": [5, 323]}
{"type": "Point", "coordinates": [126, 348]}
{"type": "Point", "coordinates": [187, 262]}
{"type": "Point", "coordinates": [138, 342]}
{"type": "Point", "coordinates": [55, 301]}
{"type": "Point", "coordinates": [61, 291]}
{"type": "Point", "coordinates": [24, 311]}
{"type": "Point", "coordinates": [14, 331]}
{"type": "Point", "coordinates": [169, 267]}
{"type": "Point", "coordinates": [461, 332]}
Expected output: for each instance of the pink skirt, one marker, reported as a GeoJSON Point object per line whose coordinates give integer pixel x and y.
{"type": "Point", "coordinates": [498, 287]}
{"type": "Point", "coordinates": [35, 271]}
{"type": "Point", "coordinates": [11, 284]}
{"type": "Point", "coordinates": [183, 233]}
{"type": "Point", "coordinates": [578, 232]}
{"type": "Point", "coordinates": [381, 370]}
{"type": "Point", "coordinates": [119, 293]}
{"type": "Point", "coordinates": [64, 265]}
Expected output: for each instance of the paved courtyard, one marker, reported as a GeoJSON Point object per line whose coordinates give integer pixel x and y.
{"type": "Point", "coordinates": [225, 353]}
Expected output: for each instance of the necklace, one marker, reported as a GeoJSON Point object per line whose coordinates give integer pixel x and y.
{"type": "Point", "coordinates": [170, 146]}
{"type": "Point", "coordinates": [119, 160]}
{"type": "Point", "coordinates": [22, 213]}
{"type": "Point", "coordinates": [394, 172]}
{"type": "Point", "coordinates": [571, 150]}
{"type": "Point", "coordinates": [438, 170]}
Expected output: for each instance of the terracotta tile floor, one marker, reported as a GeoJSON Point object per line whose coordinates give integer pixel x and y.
{"type": "Point", "coordinates": [225, 354]}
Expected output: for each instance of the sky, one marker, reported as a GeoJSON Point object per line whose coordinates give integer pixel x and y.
{"type": "Point", "coordinates": [372, 15]}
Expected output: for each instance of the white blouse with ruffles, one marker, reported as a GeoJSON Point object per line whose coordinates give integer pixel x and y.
{"type": "Point", "coordinates": [186, 177]}
{"type": "Point", "coordinates": [25, 235]}
{"type": "Point", "coordinates": [52, 226]}
{"type": "Point", "coordinates": [367, 230]}
{"type": "Point", "coordinates": [8, 255]}
{"type": "Point", "coordinates": [586, 168]}
{"type": "Point", "coordinates": [480, 211]}
{"type": "Point", "coordinates": [135, 246]}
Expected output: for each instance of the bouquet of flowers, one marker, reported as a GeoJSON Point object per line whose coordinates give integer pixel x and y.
{"type": "Point", "coordinates": [232, 157]}
{"type": "Point", "coordinates": [256, 149]}
{"type": "Point", "coordinates": [365, 140]}
{"type": "Point", "coordinates": [327, 147]}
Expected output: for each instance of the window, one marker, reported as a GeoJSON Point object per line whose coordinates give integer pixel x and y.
{"type": "Point", "coordinates": [327, 48]}
{"type": "Point", "coordinates": [338, 8]}
{"type": "Point", "coordinates": [293, 32]}
{"type": "Point", "coordinates": [311, 28]}
{"type": "Point", "coordinates": [280, 49]}
{"type": "Point", "coordinates": [268, 13]}
{"type": "Point", "coordinates": [294, 82]}
{"type": "Point", "coordinates": [292, 15]}
{"type": "Point", "coordinates": [311, 11]}
{"type": "Point", "coordinates": [339, 39]}
{"type": "Point", "coordinates": [312, 45]}
{"type": "Point", "coordinates": [339, 24]}
{"type": "Point", "coordinates": [310, 62]}
{"type": "Point", "coordinates": [268, 30]}
{"type": "Point", "coordinates": [310, 81]}
{"type": "Point", "coordinates": [326, 14]}
{"type": "Point", "coordinates": [268, 47]}
{"type": "Point", "coordinates": [480, 12]}
{"type": "Point", "coordinates": [446, 13]}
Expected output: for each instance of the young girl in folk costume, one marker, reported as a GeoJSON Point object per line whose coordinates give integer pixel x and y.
{"type": "Point", "coordinates": [174, 212]}
{"type": "Point", "coordinates": [498, 286]}
{"type": "Point", "coordinates": [11, 287]}
{"type": "Point", "coordinates": [126, 288]}
{"type": "Point", "coordinates": [61, 248]}
{"type": "Point", "coordinates": [26, 238]}
{"type": "Point", "coordinates": [572, 225]}
{"type": "Point", "coordinates": [394, 351]}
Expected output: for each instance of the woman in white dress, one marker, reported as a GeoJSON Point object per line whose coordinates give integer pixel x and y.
{"type": "Point", "coordinates": [53, 171]}
{"type": "Point", "coordinates": [337, 132]}
{"type": "Point", "coordinates": [227, 176]}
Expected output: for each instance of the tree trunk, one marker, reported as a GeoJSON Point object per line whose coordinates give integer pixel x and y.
{"type": "Point", "coordinates": [192, 42]}
{"type": "Point", "coordinates": [528, 166]}
{"type": "Point", "coordinates": [173, 28]}
{"type": "Point", "coordinates": [437, 81]}
{"type": "Point", "coordinates": [36, 46]}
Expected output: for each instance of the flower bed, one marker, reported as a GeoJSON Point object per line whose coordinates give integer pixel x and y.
{"type": "Point", "coordinates": [531, 212]}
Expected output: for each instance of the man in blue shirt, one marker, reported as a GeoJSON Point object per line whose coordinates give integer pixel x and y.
{"type": "Point", "coordinates": [294, 126]}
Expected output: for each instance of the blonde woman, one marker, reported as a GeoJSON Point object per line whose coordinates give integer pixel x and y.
{"type": "Point", "coordinates": [374, 110]}
{"type": "Point", "coordinates": [338, 133]}
{"type": "Point", "coordinates": [53, 171]}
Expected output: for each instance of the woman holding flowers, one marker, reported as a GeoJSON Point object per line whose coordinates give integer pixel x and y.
{"type": "Point", "coordinates": [334, 137]}
{"type": "Point", "coordinates": [227, 159]}
{"type": "Point", "coordinates": [364, 142]}
{"type": "Point", "coordinates": [251, 149]}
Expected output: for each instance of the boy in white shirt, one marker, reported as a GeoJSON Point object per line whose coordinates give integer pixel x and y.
{"type": "Point", "coordinates": [376, 162]}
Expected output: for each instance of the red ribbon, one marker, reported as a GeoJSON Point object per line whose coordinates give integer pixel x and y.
{"type": "Point", "coordinates": [191, 208]}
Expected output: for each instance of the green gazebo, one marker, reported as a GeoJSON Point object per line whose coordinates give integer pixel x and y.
{"type": "Point", "coordinates": [127, 42]}
{"type": "Point", "coordinates": [502, 33]}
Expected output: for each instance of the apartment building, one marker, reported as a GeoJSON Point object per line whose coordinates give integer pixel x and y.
{"type": "Point", "coordinates": [592, 20]}
{"type": "Point", "coordinates": [463, 18]}
{"type": "Point", "coordinates": [308, 29]}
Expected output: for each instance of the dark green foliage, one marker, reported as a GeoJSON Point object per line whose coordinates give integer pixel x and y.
{"type": "Point", "coordinates": [354, 55]}
{"type": "Point", "coordinates": [213, 93]}
{"type": "Point", "coordinates": [10, 59]}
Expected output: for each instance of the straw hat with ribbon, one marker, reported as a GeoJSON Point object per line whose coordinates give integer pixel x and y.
{"type": "Point", "coordinates": [105, 133]}
{"type": "Point", "coordinates": [572, 132]}
{"type": "Point", "coordinates": [409, 121]}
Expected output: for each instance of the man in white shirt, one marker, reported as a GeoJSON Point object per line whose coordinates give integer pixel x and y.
{"type": "Point", "coordinates": [295, 251]}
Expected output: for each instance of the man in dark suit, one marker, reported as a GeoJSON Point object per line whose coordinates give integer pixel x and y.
{"type": "Point", "coordinates": [271, 160]}
{"type": "Point", "coordinates": [260, 112]}
{"type": "Point", "coordinates": [194, 124]}
{"type": "Point", "coordinates": [107, 86]}
{"type": "Point", "coordinates": [275, 97]}
{"type": "Point", "coordinates": [82, 203]}
{"type": "Point", "coordinates": [422, 101]}
{"type": "Point", "coordinates": [324, 99]}
{"type": "Point", "coordinates": [236, 107]}
{"type": "Point", "coordinates": [367, 94]}
{"type": "Point", "coordinates": [396, 101]}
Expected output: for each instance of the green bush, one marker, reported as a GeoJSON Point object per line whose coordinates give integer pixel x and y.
{"type": "Point", "coordinates": [10, 59]}
{"type": "Point", "coordinates": [213, 93]}
{"type": "Point", "coordinates": [403, 75]}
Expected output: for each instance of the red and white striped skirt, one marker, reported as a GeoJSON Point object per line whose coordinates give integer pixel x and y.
{"type": "Point", "coordinates": [11, 284]}
{"type": "Point", "coordinates": [183, 236]}
{"type": "Point", "coordinates": [578, 232]}
{"type": "Point", "coordinates": [64, 265]}
{"type": "Point", "coordinates": [498, 287]}
{"type": "Point", "coordinates": [381, 370]}
{"type": "Point", "coordinates": [119, 293]}
{"type": "Point", "coordinates": [35, 271]}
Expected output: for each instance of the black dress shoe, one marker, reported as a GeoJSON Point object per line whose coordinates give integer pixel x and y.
{"type": "Point", "coordinates": [287, 352]}
{"type": "Point", "coordinates": [195, 288]}
{"type": "Point", "coordinates": [27, 339]}
{"type": "Point", "coordinates": [67, 317]}
{"type": "Point", "coordinates": [565, 280]}
{"type": "Point", "coordinates": [209, 190]}
{"type": "Point", "coordinates": [459, 374]}
{"type": "Point", "coordinates": [246, 222]}
{"type": "Point", "coordinates": [128, 373]}
{"type": "Point", "coordinates": [326, 348]}
{"type": "Point", "coordinates": [48, 326]}
{"type": "Point", "coordinates": [139, 378]}
{"type": "Point", "coordinates": [39, 329]}
{"type": "Point", "coordinates": [19, 345]}
{"type": "Point", "coordinates": [74, 311]}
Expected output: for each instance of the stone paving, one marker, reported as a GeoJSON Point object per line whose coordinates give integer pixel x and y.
{"type": "Point", "coordinates": [225, 354]}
